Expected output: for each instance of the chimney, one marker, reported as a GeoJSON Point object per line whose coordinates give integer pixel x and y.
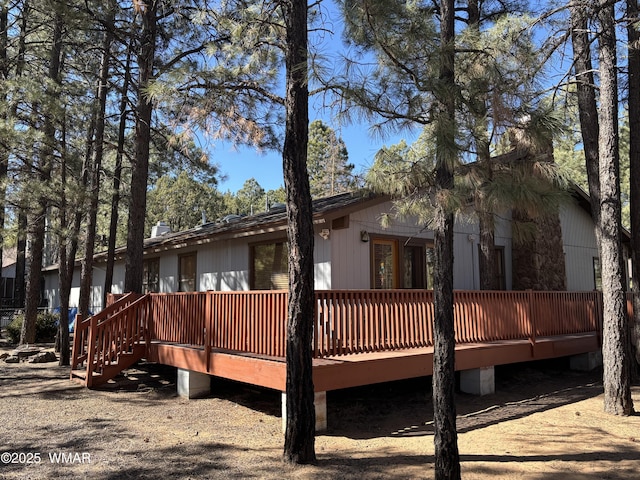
{"type": "Point", "coordinates": [161, 228]}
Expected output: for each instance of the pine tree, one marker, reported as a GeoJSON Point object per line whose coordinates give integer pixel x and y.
{"type": "Point", "coordinates": [633, 45]}
{"type": "Point", "coordinates": [239, 97]}
{"type": "Point", "coordinates": [299, 438]}
{"type": "Point", "coordinates": [182, 202]}
{"type": "Point", "coordinates": [600, 137]}
{"type": "Point", "coordinates": [248, 200]}
{"type": "Point", "coordinates": [140, 165]}
{"type": "Point", "coordinates": [95, 163]}
{"type": "Point", "coordinates": [327, 162]}
{"type": "Point", "coordinates": [43, 166]}
{"type": "Point", "coordinates": [467, 108]}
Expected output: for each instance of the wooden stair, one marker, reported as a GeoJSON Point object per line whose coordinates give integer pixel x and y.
{"type": "Point", "coordinates": [111, 341]}
{"type": "Point", "coordinates": [123, 361]}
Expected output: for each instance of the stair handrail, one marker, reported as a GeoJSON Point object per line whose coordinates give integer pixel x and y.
{"type": "Point", "coordinates": [82, 328]}
{"type": "Point", "coordinates": [101, 355]}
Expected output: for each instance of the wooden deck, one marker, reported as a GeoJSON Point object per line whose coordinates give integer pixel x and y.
{"type": "Point", "coordinates": [360, 337]}
{"type": "Point", "coordinates": [333, 373]}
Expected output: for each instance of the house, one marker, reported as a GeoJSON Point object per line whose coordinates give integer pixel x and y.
{"type": "Point", "coordinates": [352, 251]}
{"type": "Point", "coordinates": [221, 307]}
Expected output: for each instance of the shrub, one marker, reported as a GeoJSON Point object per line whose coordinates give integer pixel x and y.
{"type": "Point", "coordinates": [13, 329]}
{"type": "Point", "coordinates": [46, 327]}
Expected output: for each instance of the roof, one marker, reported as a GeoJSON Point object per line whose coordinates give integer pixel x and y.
{"type": "Point", "coordinates": [235, 226]}
{"type": "Point", "coordinates": [9, 256]}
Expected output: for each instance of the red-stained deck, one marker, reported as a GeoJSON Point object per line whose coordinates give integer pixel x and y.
{"type": "Point", "coordinates": [360, 337]}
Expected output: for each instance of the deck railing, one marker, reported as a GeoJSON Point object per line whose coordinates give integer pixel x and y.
{"type": "Point", "coordinates": [345, 322]}
{"type": "Point", "coordinates": [356, 321]}
{"type": "Point", "coordinates": [253, 322]}
{"type": "Point", "coordinates": [179, 317]}
{"type": "Point", "coordinates": [373, 320]}
{"type": "Point", "coordinates": [250, 322]}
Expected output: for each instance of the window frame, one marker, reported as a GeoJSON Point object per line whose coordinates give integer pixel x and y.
{"type": "Point", "coordinates": [252, 260]}
{"type": "Point", "coordinates": [145, 275]}
{"type": "Point", "coordinates": [500, 267]}
{"type": "Point", "coordinates": [597, 274]}
{"type": "Point", "coordinates": [195, 271]}
{"type": "Point", "coordinates": [399, 244]}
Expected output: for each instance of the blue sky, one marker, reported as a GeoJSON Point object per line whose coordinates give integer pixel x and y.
{"type": "Point", "coordinates": [242, 163]}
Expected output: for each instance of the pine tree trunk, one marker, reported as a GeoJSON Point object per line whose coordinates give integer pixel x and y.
{"type": "Point", "coordinates": [21, 244]}
{"type": "Point", "coordinates": [67, 248]}
{"type": "Point", "coordinates": [64, 284]}
{"type": "Point", "coordinates": [447, 457]}
{"type": "Point", "coordinates": [615, 339]}
{"type": "Point", "coordinates": [32, 297]}
{"type": "Point", "coordinates": [86, 276]}
{"type": "Point", "coordinates": [65, 278]}
{"type": "Point", "coordinates": [633, 41]}
{"type": "Point", "coordinates": [299, 444]}
{"type": "Point", "coordinates": [586, 95]}
{"type": "Point", "coordinates": [117, 173]}
{"type": "Point", "coordinates": [140, 167]}
{"type": "Point", "coordinates": [38, 217]}
{"type": "Point", "coordinates": [4, 153]}
{"type": "Point", "coordinates": [487, 256]}
{"type": "Point", "coordinates": [21, 260]}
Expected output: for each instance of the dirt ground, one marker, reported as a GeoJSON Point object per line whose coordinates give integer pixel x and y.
{"type": "Point", "coordinates": [544, 422]}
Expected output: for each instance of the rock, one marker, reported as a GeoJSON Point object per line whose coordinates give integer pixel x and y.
{"type": "Point", "coordinates": [12, 359]}
{"type": "Point", "coordinates": [24, 351]}
{"type": "Point", "coordinates": [43, 357]}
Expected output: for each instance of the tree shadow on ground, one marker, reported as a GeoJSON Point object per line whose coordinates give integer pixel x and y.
{"type": "Point", "coordinates": [338, 465]}
{"type": "Point", "coordinates": [404, 408]}
{"type": "Point", "coordinates": [393, 409]}
{"type": "Point", "coordinates": [143, 377]}
{"type": "Point", "coordinates": [160, 382]}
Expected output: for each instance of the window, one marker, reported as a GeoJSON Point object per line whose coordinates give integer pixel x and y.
{"type": "Point", "coordinates": [151, 276]}
{"type": "Point", "coordinates": [430, 267]}
{"type": "Point", "coordinates": [6, 287]}
{"type": "Point", "coordinates": [597, 274]}
{"type": "Point", "coordinates": [187, 273]}
{"type": "Point", "coordinates": [501, 277]}
{"type": "Point", "coordinates": [270, 266]}
{"type": "Point", "coordinates": [413, 267]}
{"type": "Point", "coordinates": [395, 264]}
{"type": "Point", "coordinates": [385, 264]}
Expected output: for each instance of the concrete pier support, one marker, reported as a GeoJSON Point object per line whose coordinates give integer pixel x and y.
{"type": "Point", "coordinates": [193, 384]}
{"type": "Point", "coordinates": [586, 362]}
{"type": "Point", "coordinates": [320, 403]}
{"type": "Point", "coordinates": [478, 381]}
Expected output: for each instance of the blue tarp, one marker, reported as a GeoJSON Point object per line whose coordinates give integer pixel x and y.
{"type": "Point", "coordinates": [73, 311]}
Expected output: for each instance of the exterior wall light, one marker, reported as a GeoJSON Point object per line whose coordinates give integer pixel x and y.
{"type": "Point", "coordinates": [364, 236]}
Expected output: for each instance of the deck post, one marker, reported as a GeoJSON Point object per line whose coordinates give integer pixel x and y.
{"type": "Point", "coordinates": [320, 404]}
{"type": "Point", "coordinates": [208, 329]}
{"type": "Point", "coordinates": [478, 381]}
{"type": "Point", "coordinates": [585, 362]}
{"type": "Point", "coordinates": [193, 384]}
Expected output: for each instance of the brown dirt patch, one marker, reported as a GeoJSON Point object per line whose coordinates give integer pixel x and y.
{"type": "Point", "coordinates": [544, 422]}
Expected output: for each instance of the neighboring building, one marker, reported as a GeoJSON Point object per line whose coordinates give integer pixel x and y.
{"type": "Point", "coordinates": [8, 279]}
{"type": "Point", "coordinates": [352, 251]}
